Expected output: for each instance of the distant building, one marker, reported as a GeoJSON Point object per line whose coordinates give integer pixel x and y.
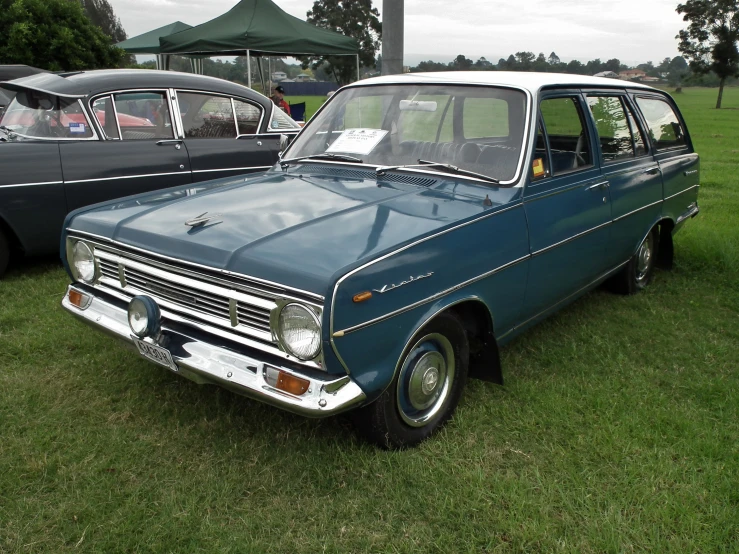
{"type": "Point", "coordinates": [632, 74]}
{"type": "Point", "coordinates": [607, 74]}
{"type": "Point", "coordinates": [649, 79]}
{"type": "Point", "coordinates": [303, 78]}
{"type": "Point", "coordinates": [278, 76]}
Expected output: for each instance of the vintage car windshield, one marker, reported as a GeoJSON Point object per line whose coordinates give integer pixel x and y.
{"type": "Point", "coordinates": [43, 116]}
{"type": "Point", "coordinates": [475, 128]}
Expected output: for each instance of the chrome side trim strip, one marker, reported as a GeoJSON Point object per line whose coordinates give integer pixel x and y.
{"type": "Point", "coordinates": [381, 258]}
{"type": "Point", "coordinates": [256, 167]}
{"type": "Point", "coordinates": [32, 184]}
{"type": "Point", "coordinates": [682, 192]}
{"type": "Point", "coordinates": [183, 172]}
{"type": "Point", "coordinates": [570, 239]}
{"type": "Point", "coordinates": [430, 298]}
{"type": "Point", "coordinates": [578, 291]}
{"type": "Point", "coordinates": [154, 257]}
{"type": "Point", "coordinates": [619, 218]}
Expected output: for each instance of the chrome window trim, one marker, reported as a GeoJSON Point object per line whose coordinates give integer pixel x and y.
{"type": "Point", "coordinates": [524, 137]}
{"type": "Point", "coordinates": [682, 192]}
{"type": "Point", "coordinates": [90, 103]}
{"type": "Point", "coordinates": [164, 91]}
{"type": "Point", "coordinates": [431, 298]}
{"type": "Point", "coordinates": [632, 212]}
{"type": "Point", "coordinates": [570, 239]}
{"type": "Point", "coordinates": [155, 258]}
{"type": "Point", "coordinates": [180, 128]}
{"type": "Point", "coordinates": [233, 107]}
{"type": "Point", "coordinates": [392, 253]}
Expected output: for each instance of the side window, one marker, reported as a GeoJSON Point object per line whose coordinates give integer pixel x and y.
{"type": "Point", "coordinates": [143, 115]}
{"type": "Point", "coordinates": [102, 108]}
{"type": "Point", "coordinates": [206, 116]}
{"type": "Point", "coordinates": [612, 126]}
{"type": "Point", "coordinates": [485, 117]}
{"type": "Point", "coordinates": [568, 138]}
{"type": "Point", "coordinates": [663, 125]}
{"type": "Point", "coordinates": [247, 117]}
{"type": "Point", "coordinates": [282, 122]}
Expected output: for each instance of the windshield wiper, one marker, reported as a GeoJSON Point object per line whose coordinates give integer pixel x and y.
{"type": "Point", "coordinates": [340, 157]}
{"type": "Point", "coordinates": [448, 167]}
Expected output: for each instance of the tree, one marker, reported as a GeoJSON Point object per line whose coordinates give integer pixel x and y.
{"type": "Point", "coordinates": [101, 14]}
{"type": "Point", "coordinates": [710, 41]}
{"type": "Point", "coordinates": [524, 61]}
{"type": "Point", "coordinates": [554, 59]}
{"type": "Point", "coordinates": [54, 35]}
{"type": "Point", "coordinates": [353, 18]}
{"type": "Point", "coordinates": [461, 63]}
{"type": "Point", "coordinates": [614, 64]}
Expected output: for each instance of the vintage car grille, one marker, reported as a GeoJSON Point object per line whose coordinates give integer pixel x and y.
{"type": "Point", "coordinates": [189, 294]}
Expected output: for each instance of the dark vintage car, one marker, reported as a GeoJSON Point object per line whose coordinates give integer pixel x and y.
{"type": "Point", "coordinates": [73, 139]}
{"type": "Point", "coordinates": [416, 224]}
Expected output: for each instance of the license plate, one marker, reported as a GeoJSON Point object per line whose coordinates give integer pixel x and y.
{"type": "Point", "coordinates": [156, 354]}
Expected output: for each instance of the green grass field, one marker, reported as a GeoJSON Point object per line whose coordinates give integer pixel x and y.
{"type": "Point", "coordinates": [617, 429]}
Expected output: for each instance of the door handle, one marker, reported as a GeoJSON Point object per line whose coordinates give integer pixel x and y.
{"type": "Point", "coordinates": [652, 170]}
{"type": "Point", "coordinates": [169, 141]}
{"type": "Point", "coordinates": [599, 186]}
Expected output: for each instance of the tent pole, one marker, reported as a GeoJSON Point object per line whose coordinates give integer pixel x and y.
{"type": "Point", "coordinates": [248, 68]}
{"type": "Point", "coordinates": [357, 67]}
{"type": "Point", "coordinates": [261, 73]}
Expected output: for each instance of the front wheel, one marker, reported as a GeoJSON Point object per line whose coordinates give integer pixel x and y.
{"type": "Point", "coordinates": [426, 390]}
{"type": "Point", "coordinates": [638, 273]}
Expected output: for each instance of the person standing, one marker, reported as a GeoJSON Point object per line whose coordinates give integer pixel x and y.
{"type": "Point", "coordinates": [278, 97]}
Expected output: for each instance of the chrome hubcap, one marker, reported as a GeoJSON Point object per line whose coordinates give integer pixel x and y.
{"type": "Point", "coordinates": [425, 379]}
{"type": "Point", "coordinates": [644, 258]}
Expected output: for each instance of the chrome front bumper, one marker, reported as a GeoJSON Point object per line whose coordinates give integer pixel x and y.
{"type": "Point", "coordinates": [206, 363]}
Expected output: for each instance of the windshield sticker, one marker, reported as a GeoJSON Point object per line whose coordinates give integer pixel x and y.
{"type": "Point", "coordinates": [357, 141]}
{"type": "Point", "coordinates": [77, 128]}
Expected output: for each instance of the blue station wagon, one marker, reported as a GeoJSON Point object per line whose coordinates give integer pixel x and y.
{"type": "Point", "coordinates": [414, 226]}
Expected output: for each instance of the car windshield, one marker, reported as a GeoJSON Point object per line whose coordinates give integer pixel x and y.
{"type": "Point", "coordinates": [474, 128]}
{"type": "Point", "coordinates": [38, 115]}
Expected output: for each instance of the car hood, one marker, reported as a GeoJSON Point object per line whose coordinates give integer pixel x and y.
{"type": "Point", "coordinates": [298, 229]}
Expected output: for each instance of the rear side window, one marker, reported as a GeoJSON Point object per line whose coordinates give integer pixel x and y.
{"type": "Point", "coordinates": [206, 116]}
{"type": "Point", "coordinates": [662, 123]}
{"type": "Point", "coordinates": [568, 138]}
{"type": "Point", "coordinates": [620, 137]}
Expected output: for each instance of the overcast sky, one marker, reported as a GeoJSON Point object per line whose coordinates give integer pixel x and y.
{"type": "Point", "coordinates": [634, 31]}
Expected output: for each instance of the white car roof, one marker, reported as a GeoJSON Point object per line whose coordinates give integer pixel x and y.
{"type": "Point", "coordinates": [530, 81]}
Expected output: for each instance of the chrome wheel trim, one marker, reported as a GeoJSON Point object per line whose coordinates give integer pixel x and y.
{"type": "Point", "coordinates": [425, 380]}
{"type": "Point", "coordinates": [644, 258]}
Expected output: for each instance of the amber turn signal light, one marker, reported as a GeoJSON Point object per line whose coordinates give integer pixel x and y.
{"type": "Point", "coordinates": [76, 298]}
{"type": "Point", "coordinates": [362, 296]}
{"type": "Point", "coordinates": [290, 383]}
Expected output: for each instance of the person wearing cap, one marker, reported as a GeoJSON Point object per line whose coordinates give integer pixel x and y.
{"type": "Point", "coordinates": [278, 97]}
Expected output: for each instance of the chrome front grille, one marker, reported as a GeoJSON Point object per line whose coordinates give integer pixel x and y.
{"type": "Point", "coordinates": [189, 294]}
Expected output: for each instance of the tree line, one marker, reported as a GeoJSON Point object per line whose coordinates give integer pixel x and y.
{"type": "Point", "coordinates": [676, 71]}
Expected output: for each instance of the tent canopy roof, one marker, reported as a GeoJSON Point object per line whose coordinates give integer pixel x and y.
{"type": "Point", "coordinates": [148, 43]}
{"type": "Point", "coordinates": [261, 27]}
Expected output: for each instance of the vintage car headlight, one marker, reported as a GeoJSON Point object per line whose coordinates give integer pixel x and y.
{"type": "Point", "coordinates": [299, 331]}
{"type": "Point", "coordinates": [83, 263]}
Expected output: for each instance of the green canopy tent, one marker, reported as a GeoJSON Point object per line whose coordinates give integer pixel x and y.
{"type": "Point", "coordinates": [258, 28]}
{"type": "Point", "coordinates": [148, 43]}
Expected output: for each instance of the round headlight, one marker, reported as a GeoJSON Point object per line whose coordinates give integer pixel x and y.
{"type": "Point", "coordinates": [300, 331]}
{"type": "Point", "coordinates": [83, 262]}
{"type": "Point", "coordinates": [143, 316]}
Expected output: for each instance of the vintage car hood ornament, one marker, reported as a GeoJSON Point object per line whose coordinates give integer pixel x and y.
{"type": "Point", "coordinates": [201, 220]}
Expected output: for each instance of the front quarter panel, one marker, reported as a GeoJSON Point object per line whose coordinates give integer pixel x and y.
{"type": "Point", "coordinates": [483, 259]}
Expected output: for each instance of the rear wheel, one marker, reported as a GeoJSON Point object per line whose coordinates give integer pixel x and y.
{"type": "Point", "coordinates": [426, 390]}
{"type": "Point", "coordinates": [638, 273]}
{"type": "Point", "coordinates": [4, 253]}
